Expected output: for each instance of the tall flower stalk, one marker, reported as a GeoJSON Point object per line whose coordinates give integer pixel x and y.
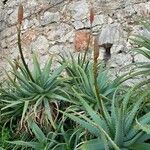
{"type": "Point", "coordinates": [20, 19]}
{"type": "Point", "coordinates": [95, 65]}
{"type": "Point", "coordinates": [95, 72]}
{"type": "Point", "coordinates": [91, 18]}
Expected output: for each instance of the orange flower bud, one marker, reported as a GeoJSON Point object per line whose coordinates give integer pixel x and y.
{"type": "Point", "coordinates": [91, 15]}
{"type": "Point", "coordinates": [20, 14]}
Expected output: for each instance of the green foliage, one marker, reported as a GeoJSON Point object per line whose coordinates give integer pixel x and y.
{"type": "Point", "coordinates": [116, 129]}
{"type": "Point", "coordinates": [97, 113]}
{"type": "Point", "coordinates": [23, 97]}
{"type": "Point", "coordinates": [65, 140]}
{"type": "Point", "coordinates": [81, 78]}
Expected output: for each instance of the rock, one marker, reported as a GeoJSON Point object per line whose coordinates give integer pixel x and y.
{"type": "Point", "coordinates": [31, 3]}
{"type": "Point", "coordinates": [1, 5]}
{"type": "Point", "coordinates": [78, 25]}
{"type": "Point", "coordinates": [10, 11]}
{"type": "Point", "coordinates": [129, 10]}
{"type": "Point", "coordinates": [81, 40]}
{"type": "Point", "coordinates": [56, 49]}
{"type": "Point", "coordinates": [79, 10]}
{"type": "Point", "coordinates": [36, 22]}
{"type": "Point", "coordinates": [68, 37]}
{"type": "Point", "coordinates": [3, 43]}
{"type": "Point", "coordinates": [98, 21]}
{"type": "Point", "coordinates": [57, 32]}
{"type": "Point", "coordinates": [119, 48]}
{"type": "Point", "coordinates": [26, 24]}
{"type": "Point", "coordinates": [8, 32]}
{"type": "Point", "coordinates": [40, 44]}
{"type": "Point", "coordinates": [111, 33]}
{"type": "Point", "coordinates": [119, 60]}
{"type": "Point", "coordinates": [46, 26]}
{"type": "Point", "coordinates": [143, 9]}
{"type": "Point", "coordinates": [13, 17]}
{"type": "Point", "coordinates": [50, 17]}
{"type": "Point", "coordinates": [12, 4]}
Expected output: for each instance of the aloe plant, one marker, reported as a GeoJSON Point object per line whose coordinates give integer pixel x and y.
{"type": "Point", "coordinates": [117, 129]}
{"type": "Point", "coordinates": [23, 97]}
{"type": "Point", "coordinates": [31, 93]}
{"type": "Point", "coordinates": [81, 78]}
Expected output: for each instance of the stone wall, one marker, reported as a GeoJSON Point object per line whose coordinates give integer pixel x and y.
{"type": "Point", "coordinates": [49, 27]}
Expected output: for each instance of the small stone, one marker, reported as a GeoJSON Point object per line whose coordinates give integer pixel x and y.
{"type": "Point", "coordinates": [118, 60]}
{"type": "Point", "coordinates": [119, 48]}
{"type": "Point", "coordinates": [56, 49]}
{"type": "Point", "coordinates": [40, 44]}
{"type": "Point", "coordinates": [98, 21]}
{"type": "Point", "coordinates": [57, 32]}
{"type": "Point", "coordinates": [9, 11]}
{"type": "Point", "coordinates": [78, 25]}
{"type": "Point", "coordinates": [36, 22]}
{"type": "Point", "coordinates": [68, 37]}
{"type": "Point", "coordinates": [79, 10]}
{"type": "Point", "coordinates": [26, 24]}
{"type": "Point", "coordinates": [81, 40]}
{"type": "Point", "coordinates": [50, 17]}
{"type": "Point", "coordinates": [8, 31]}
{"type": "Point", "coordinates": [12, 4]}
{"type": "Point", "coordinates": [110, 33]}
{"type": "Point", "coordinates": [3, 43]}
{"type": "Point", "coordinates": [13, 17]}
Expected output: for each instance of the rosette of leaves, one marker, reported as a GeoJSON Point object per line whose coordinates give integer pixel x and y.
{"type": "Point", "coordinates": [36, 98]}
{"type": "Point", "coordinates": [81, 78]}
{"type": "Point", "coordinates": [143, 48]}
{"type": "Point", "coordinates": [117, 127]}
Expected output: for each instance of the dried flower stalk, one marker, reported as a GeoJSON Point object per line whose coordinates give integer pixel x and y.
{"type": "Point", "coordinates": [20, 14]}
{"type": "Point", "coordinates": [20, 19]}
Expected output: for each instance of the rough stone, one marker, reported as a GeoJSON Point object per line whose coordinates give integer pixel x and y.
{"type": "Point", "coordinates": [79, 10]}
{"type": "Point", "coordinates": [50, 30]}
{"type": "Point", "coordinates": [110, 33]}
{"type": "Point", "coordinates": [13, 17]}
{"type": "Point", "coordinates": [40, 44]}
{"type": "Point", "coordinates": [50, 17]}
{"type": "Point", "coordinates": [57, 32]}
{"type": "Point", "coordinates": [78, 25]}
{"type": "Point", "coordinates": [82, 40]}
{"type": "Point", "coordinates": [56, 49]}
{"type": "Point", "coordinates": [120, 60]}
{"type": "Point", "coordinates": [69, 37]}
